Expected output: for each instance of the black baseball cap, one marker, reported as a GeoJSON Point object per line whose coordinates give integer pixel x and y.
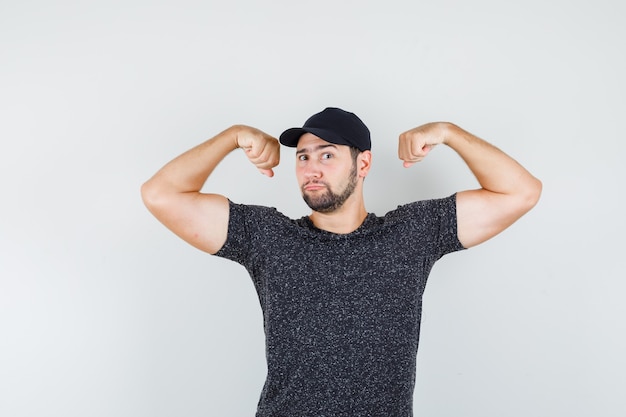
{"type": "Point", "coordinates": [334, 125]}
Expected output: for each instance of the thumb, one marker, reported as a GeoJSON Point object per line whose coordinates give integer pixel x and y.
{"type": "Point", "coordinates": [267, 172]}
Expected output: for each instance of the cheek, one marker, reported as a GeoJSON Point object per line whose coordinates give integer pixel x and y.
{"type": "Point", "coordinates": [299, 174]}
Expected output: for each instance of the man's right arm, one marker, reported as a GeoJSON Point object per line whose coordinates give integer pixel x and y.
{"type": "Point", "coordinates": [173, 194]}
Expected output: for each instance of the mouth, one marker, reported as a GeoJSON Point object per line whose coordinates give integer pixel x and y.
{"type": "Point", "coordinates": [313, 186]}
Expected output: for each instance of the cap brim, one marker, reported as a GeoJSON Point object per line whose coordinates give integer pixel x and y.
{"type": "Point", "coordinates": [290, 137]}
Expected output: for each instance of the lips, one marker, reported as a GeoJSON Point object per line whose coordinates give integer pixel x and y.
{"type": "Point", "coordinates": [313, 186]}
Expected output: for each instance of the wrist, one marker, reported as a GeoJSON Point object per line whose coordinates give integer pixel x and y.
{"type": "Point", "coordinates": [235, 133]}
{"type": "Point", "coordinates": [449, 133]}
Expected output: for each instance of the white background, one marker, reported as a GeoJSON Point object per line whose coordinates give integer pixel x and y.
{"type": "Point", "coordinates": [104, 312]}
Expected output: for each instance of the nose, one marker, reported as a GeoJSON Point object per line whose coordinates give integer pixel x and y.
{"type": "Point", "coordinates": [312, 170]}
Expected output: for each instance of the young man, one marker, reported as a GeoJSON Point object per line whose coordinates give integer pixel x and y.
{"type": "Point", "coordinates": [340, 289]}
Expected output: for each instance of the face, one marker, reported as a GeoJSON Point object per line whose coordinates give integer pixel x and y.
{"type": "Point", "coordinates": [327, 173]}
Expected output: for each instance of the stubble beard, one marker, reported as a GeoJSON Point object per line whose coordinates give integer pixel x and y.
{"type": "Point", "coordinates": [330, 201]}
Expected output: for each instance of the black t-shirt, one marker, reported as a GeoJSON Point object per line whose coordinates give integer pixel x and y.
{"type": "Point", "coordinates": [341, 311]}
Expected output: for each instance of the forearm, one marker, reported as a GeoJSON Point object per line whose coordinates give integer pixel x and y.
{"type": "Point", "coordinates": [495, 170]}
{"type": "Point", "coordinates": [189, 171]}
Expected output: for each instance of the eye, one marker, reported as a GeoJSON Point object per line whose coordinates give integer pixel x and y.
{"type": "Point", "coordinates": [302, 158]}
{"type": "Point", "coordinates": [326, 156]}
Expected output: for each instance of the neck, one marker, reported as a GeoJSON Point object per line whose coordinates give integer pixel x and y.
{"type": "Point", "coordinates": [344, 220]}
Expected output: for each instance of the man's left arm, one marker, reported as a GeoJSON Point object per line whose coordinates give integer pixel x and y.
{"type": "Point", "coordinates": [507, 192]}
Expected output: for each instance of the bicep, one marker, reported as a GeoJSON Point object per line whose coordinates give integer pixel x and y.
{"type": "Point", "coordinates": [199, 219]}
{"type": "Point", "coordinates": [482, 214]}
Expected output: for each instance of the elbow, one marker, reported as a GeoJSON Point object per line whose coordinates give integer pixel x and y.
{"type": "Point", "coordinates": [150, 195]}
{"type": "Point", "coordinates": [532, 193]}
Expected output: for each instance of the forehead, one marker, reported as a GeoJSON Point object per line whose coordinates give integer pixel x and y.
{"type": "Point", "coordinates": [309, 142]}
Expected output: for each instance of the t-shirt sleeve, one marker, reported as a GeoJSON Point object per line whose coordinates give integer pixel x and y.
{"type": "Point", "coordinates": [447, 225]}
{"type": "Point", "coordinates": [237, 245]}
{"type": "Point", "coordinates": [431, 226]}
{"type": "Point", "coordinates": [250, 228]}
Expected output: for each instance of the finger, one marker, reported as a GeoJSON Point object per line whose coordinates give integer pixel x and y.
{"type": "Point", "coordinates": [404, 148]}
{"type": "Point", "coordinates": [418, 148]}
{"type": "Point", "coordinates": [255, 150]}
{"type": "Point", "coordinates": [406, 152]}
{"type": "Point", "coordinates": [265, 158]}
{"type": "Point", "coordinates": [269, 156]}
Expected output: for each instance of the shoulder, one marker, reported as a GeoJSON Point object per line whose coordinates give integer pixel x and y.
{"type": "Point", "coordinates": [254, 222]}
{"type": "Point", "coordinates": [255, 214]}
{"type": "Point", "coordinates": [252, 208]}
{"type": "Point", "coordinates": [424, 210]}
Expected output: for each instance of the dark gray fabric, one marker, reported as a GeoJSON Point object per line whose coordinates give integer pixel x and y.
{"type": "Point", "coordinates": [341, 312]}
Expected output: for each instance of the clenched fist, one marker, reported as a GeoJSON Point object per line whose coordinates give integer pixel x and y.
{"type": "Point", "coordinates": [261, 149]}
{"type": "Point", "coordinates": [416, 143]}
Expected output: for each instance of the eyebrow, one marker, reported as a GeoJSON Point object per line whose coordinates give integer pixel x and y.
{"type": "Point", "coordinates": [317, 148]}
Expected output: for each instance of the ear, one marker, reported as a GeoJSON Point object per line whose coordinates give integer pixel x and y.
{"type": "Point", "coordinates": [364, 163]}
